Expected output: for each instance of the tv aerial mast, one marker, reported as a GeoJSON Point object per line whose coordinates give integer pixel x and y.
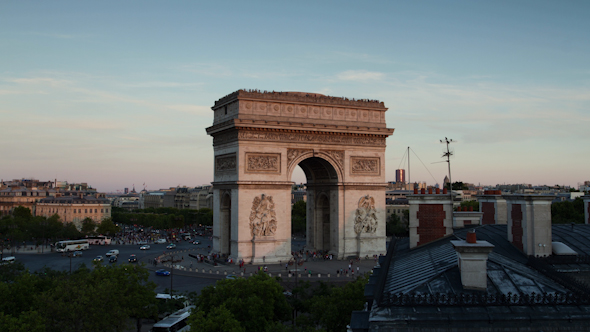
{"type": "Point", "coordinates": [448, 154]}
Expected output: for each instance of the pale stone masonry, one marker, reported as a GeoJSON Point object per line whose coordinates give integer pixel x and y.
{"type": "Point", "coordinates": [259, 138]}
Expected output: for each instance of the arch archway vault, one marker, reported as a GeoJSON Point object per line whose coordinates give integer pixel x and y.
{"type": "Point", "coordinates": [260, 137]}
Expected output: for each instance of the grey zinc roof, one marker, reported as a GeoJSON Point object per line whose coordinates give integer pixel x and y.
{"type": "Point", "coordinates": [432, 268]}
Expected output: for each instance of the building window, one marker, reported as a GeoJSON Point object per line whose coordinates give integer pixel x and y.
{"type": "Point", "coordinates": [101, 210]}
{"type": "Point", "coordinates": [85, 210]}
{"type": "Point", "coordinates": [95, 210]}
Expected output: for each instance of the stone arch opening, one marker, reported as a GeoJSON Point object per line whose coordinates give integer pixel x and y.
{"type": "Point", "coordinates": [225, 221]}
{"type": "Point", "coordinates": [322, 219]}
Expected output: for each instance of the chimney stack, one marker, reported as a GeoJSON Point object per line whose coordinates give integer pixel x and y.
{"type": "Point", "coordinates": [473, 260]}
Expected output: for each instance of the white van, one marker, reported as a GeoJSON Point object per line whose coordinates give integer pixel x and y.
{"type": "Point", "coordinates": [113, 252]}
{"type": "Point", "coordinates": [161, 241]}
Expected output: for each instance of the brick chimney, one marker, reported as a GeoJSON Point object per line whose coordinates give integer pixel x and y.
{"type": "Point", "coordinates": [431, 217]}
{"type": "Point", "coordinates": [473, 260]}
{"type": "Point", "coordinates": [529, 223]}
{"type": "Point", "coordinates": [493, 207]}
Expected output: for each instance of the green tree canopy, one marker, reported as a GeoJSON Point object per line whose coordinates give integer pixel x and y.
{"type": "Point", "coordinates": [298, 217]}
{"type": "Point", "coordinates": [255, 302]}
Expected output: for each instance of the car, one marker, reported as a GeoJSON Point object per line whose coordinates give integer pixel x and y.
{"type": "Point", "coordinates": [171, 246]}
{"type": "Point", "coordinates": [113, 259]}
{"type": "Point", "coordinates": [161, 241]}
{"type": "Point", "coordinates": [98, 259]}
{"type": "Point", "coordinates": [144, 247]}
{"type": "Point", "coordinates": [132, 259]}
{"type": "Point", "coordinates": [77, 254]}
{"type": "Point", "coordinates": [162, 272]}
{"type": "Point", "coordinates": [231, 277]}
{"type": "Point", "coordinates": [196, 242]}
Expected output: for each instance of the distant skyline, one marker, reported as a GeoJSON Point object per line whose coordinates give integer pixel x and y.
{"type": "Point", "coordinates": [120, 93]}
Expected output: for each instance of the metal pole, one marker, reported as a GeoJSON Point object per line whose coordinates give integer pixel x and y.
{"type": "Point", "coordinates": [448, 154]}
{"type": "Point", "coordinates": [409, 168]}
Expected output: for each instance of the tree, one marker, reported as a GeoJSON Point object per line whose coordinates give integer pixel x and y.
{"type": "Point", "coordinates": [205, 217]}
{"type": "Point", "coordinates": [473, 204]}
{"type": "Point", "coordinates": [22, 212]}
{"type": "Point", "coordinates": [395, 226]}
{"type": "Point", "coordinates": [298, 217]}
{"type": "Point", "coordinates": [333, 311]}
{"type": "Point", "coordinates": [255, 302]}
{"type": "Point", "coordinates": [220, 319]}
{"type": "Point", "coordinates": [107, 227]}
{"type": "Point", "coordinates": [567, 212]}
{"type": "Point", "coordinates": [458, 186]}
{"type": "Point", "coordinates": [88, 226]}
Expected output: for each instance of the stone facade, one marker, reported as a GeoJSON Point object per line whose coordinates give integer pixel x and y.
{"type": "Point", "coordinates": [259, 138]}
{"type": "Point", "coordinates": [75, 208]}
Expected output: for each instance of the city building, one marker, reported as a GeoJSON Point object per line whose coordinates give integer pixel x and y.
{"type": "Point", "coordinates": [75, 207]}
{"type": "Point", "coordinates": [400, 175]}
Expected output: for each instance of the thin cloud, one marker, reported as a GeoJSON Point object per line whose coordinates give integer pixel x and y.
{"type": "Point", "coordinates": [360, 75]}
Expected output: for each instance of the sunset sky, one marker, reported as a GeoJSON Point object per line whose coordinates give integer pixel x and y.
{"type": "Point", "coordinates": [116, 93]}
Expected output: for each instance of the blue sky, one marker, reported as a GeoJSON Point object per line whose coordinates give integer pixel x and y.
{"type": "Point", "coordinates": [119, 93]}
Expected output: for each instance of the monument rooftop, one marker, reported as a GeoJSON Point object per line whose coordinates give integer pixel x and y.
{"type": "Point", "coordinates": [298, 111]}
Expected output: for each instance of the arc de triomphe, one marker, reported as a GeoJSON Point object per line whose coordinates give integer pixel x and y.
{"type": "Point", "coordinates": [260, 137]}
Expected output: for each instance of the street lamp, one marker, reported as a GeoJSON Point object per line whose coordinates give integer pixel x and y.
{"type": "Point", "coordinates": [12, 227]}
{"type": "Point", "coordinates": [43, 224]}
{"type": "Point", "coordinates": [172, 257]}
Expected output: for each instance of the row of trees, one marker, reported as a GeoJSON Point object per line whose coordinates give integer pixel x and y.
{"type": "Point", "coordinates": [259, 304]}
{"type": "Point", "coordinates": [163, 218]}
{"type": "Point", "coordinates": [567, 212]}
{"type": "Point", "coordinates": [22, 226]}
{"type": "Point", "coordinates": [106, 298]}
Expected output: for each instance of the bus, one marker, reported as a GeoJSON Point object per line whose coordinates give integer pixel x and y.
{"type": "Point", "coordinates": [176, 322]}
{"type": "Point", "coordinates": [71, 245]}
{"type": "Point", "coordinates": [98, 240]}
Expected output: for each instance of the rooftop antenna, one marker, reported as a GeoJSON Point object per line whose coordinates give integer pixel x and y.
{"type": "Point", "coordinates": [448, 154]}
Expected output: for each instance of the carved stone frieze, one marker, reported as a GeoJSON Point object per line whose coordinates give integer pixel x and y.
{"type": "Point", "coordinates": [366, 216]}
{"type": "Point", "coordinates": [329, 138]}
{"type": "Point", "coordinates": [263, 162]}
{"type": "Point", "coordinates": [365, 165]}
{"type": "Point", "coordinates": [263, 220]}
{"type": "Point", "coordinates": [292, 154]}
{"type": "Point", "coordinates": [225, 163]}
{"type": "Point", "coordinates": [337, 155]}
